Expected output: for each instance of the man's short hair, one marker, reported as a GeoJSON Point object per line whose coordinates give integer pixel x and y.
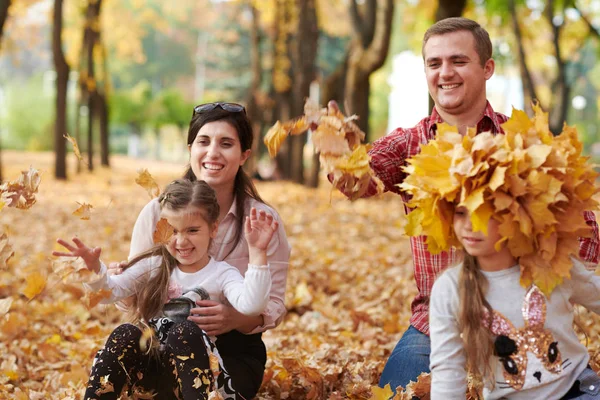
{"type": "Point", "coordinates": [483, 44]}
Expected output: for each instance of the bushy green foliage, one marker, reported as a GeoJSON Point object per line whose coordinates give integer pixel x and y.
{"type": "Point", "coordinates": [27, 120]}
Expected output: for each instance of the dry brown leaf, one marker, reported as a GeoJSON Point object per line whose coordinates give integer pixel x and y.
{"type": "Point", "coordinates": [75, 146]}
{"type": "Point", "coordinates": [163, 232]}
{"type": "Point", "coordinates": [84, 211]}
{"type": "Point", "coordinates": [5, 306]}
{"type": "Point", "coordinates": [20, 193]}
{"type": "Point", "coordinates": [145, 180]}
{"type": "Point", "coordinates": [6, 251]}
{"type": "Point", "coordinates": [92, 299]}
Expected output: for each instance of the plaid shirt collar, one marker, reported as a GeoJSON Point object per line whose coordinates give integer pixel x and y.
{"type": "Point", "coordinates": [488, 122]}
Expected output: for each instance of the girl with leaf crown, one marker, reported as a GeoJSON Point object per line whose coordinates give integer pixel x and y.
{"type": "Point", "coordinates": [166, 282]}
{"type": "Point", "coordinates": [515, 204]}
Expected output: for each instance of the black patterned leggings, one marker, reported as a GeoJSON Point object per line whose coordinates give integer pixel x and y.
{"type": "Point", "coordinates": [180, 371]}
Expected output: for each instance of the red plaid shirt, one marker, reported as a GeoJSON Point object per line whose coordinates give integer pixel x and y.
{"type": "Point", "coordinates": [389, 153]}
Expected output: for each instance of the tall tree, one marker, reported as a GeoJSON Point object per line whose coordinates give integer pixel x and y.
{"type": "Point", "coordinates": [368, 50]}
{"type": "Point", "coordinates": [4, 5]}
{"type": "Point", "coordinates": [62, 79]}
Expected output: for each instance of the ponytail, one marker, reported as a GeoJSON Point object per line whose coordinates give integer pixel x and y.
{"type": "Point", "coordinates": [472, 288]}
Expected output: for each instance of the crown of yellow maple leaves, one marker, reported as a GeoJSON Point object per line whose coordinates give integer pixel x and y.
{"type": "Point", "coordinates": [535, 184]}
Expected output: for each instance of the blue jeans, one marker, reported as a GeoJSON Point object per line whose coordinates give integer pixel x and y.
{"type": "Point", "coordinates": [409, 358]}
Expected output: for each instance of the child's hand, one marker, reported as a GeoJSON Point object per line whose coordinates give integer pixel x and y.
{"type": "Point", "coordinates": [91, 256]}
{"type": "Point", "coordinates": [259, 229]}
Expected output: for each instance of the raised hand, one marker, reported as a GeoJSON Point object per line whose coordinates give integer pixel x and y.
{"type": "Point", "coordinates": [91, 256]}
{"type": "Point", "coordinates": [259, 229]}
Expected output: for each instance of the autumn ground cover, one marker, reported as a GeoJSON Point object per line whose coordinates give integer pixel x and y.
{"type": "Point", "coordinates": [349, 286]}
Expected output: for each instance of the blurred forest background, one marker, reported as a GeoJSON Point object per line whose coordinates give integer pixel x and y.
{"type": "Point", "coordinates": [122, 76]}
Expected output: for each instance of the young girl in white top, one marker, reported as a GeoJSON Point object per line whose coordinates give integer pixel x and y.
{"type": "Point", "coordinates": [515, 204]}
{"type": "Point", "coordinates": [166, 281]}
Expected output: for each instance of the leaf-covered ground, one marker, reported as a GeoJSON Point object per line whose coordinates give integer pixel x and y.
{"type": "Point", "coordinates": [349, 285]}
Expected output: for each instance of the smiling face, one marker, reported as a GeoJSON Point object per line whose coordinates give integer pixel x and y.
{"type": "Point", "coordinates": [216, 154]}
{"type": "Point", "coordinates": [455, 76]}
{"type": "Point", "coordinates": [479, 245]}
{"type": "Point", "coordinates": [191, 239]}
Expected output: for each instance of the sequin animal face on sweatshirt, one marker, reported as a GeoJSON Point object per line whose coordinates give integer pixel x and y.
{"type": "Point", "coordinates": [529, 354]}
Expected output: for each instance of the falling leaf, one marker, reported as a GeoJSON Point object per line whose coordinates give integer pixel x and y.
{"type": "Point", "coordinates": [6, 251]}
{"type": "Point", "coordinates": [384, 393]}
{"type": "Point", "coordinates": [20, 193]}
{"type": "Point", "coordinates": [93, 298]}
{"type": "Point", "coordinates": [145, 180]}
{"type": "Point", "coordinates": [36, 282]}
{"type": "Point", "coordinates": [274, 138]}
{"type": "Point", "coordinates": [75, 146]}
{"type": "Point", "coordinates": [84, 211]}
{"type": "Point", "coordinates": [163, 232]}
{"type": "Point", "coordinates": [5, 305]}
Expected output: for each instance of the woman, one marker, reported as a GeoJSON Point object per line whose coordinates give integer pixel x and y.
{"type": "Point", "coordinates": [220, 141]}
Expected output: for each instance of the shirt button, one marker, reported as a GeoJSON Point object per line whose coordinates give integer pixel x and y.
{"type": "Point", "coordinates": [592, 387]}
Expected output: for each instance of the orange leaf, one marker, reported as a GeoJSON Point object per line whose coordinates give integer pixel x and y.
{"type": "Point", "coordinates": [84, 211]}
{"type": "Point", "coordinates": [275, 138]}
{"type": "Point", "coordinates": [163, 232]}
{"type": "Point", "coordinates": [146, 181]}
{"type": "Point", "coordinates": [20, 193]}
{"type": "Point", "coordinates": [91, 299]}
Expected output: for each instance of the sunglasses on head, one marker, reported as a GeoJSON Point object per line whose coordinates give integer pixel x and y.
{"type": "Point", "coordinates": [231, 107]}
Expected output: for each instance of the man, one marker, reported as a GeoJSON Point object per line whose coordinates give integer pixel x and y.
{"type": "Point", "coordinates": [458, 62]}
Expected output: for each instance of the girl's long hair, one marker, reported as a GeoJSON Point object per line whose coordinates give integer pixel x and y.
{"type": "Point", "coordinates": [243, 188]}
{"type": "Point", "coordinates": [152, 295]}
{"type": "Point", "coordinates": [477, 338]}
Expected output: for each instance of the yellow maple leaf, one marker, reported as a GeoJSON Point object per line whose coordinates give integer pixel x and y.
{"type": "Point", "coordinates": [147, 339]}
{"type": "Point", "coordinates": [84, 211]}
{"type": "Point", "coordinates": [93, 298]}
{"type": "Point", "coordinates": [384, 393]}
{"type": "Point", "coordinates": [36, 282]}
{"type": "Point", "coordinates": [145, 180]}
{"type": "Point", "coordinates": [163, 232]}
{"type": "Point", "coordinates": [274, 138]}
{"type": "Point", "coordinates": [75, 146]}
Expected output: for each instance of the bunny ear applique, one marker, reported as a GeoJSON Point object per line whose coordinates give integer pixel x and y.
{"type": "Point", "coordinates": [499, 324]}
{"type": "Point", "coordinates": [534, 307]}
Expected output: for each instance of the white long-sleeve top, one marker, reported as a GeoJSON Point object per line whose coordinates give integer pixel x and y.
{"type": "Point", "coordinates": [223, 248]}
{"type": "Point", "coordinates": [548, 371]}
{"type": "Point", "coordinates": [223, 283]}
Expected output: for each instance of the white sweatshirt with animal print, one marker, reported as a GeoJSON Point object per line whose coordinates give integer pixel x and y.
{"type": "Point", "coordinates": [540, 354]}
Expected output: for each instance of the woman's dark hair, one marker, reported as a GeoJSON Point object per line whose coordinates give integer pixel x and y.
{"type": "Point", "coordinates": [243, 188]}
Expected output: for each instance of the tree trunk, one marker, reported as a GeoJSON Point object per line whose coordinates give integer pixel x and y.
{"type": "Point", "coordinates": [559, 103]}
{"type": "Point", "coordinates": [252, 107]}
{"type": "Point", "coordinates": [450, 8]}
{"type": "Point", "coordinates": [4, 5]}
{"type": "Point", "coordinates": [529, 94]}
{"type": "Point", "coordinates": [62, 79]}
{"type": "Point", "coordinates": [304, 56]}
{"type": "Point", "coordinates": [364, 59]}
{"type": "Point", "coordinates": [447, 9]}
{"type": "Point", "coordinates": [103, 119]}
